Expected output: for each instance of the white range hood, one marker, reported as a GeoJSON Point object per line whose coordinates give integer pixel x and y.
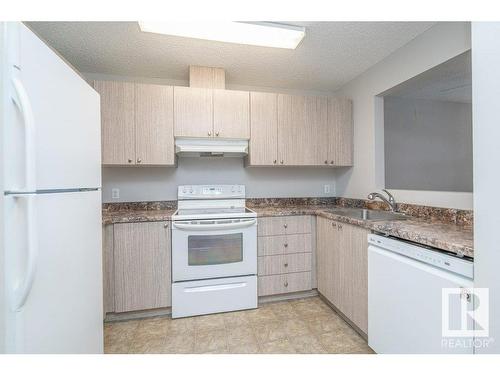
{"type": "Point", "coordinates": [210, 147]}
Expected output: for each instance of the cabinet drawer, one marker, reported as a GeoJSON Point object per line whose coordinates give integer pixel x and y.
{"type": "Point", "coordinates": [272, 226]}
{"type": "Point", "coordinates": [287, 283]}
{"type": "Point", "coordinates": [280, 264]}
{"type": "Point", "coordinates": [275, 245]}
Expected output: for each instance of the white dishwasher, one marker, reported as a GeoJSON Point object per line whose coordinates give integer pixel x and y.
{"type": "Point", "coordinates": [405, 283]}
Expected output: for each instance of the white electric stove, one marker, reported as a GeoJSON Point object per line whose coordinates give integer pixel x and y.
{"type": "Point", "coordinates": [214, 251]}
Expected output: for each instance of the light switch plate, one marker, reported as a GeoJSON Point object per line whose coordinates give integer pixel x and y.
{"type": "Point", "coordinates": [115, 193]}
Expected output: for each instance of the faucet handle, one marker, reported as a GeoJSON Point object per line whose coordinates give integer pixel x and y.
{"type": "Point", "coordinates": [391, 198]}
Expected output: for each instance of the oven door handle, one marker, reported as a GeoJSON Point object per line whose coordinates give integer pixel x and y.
{"type": "Point", "coordinates": [203, 227]}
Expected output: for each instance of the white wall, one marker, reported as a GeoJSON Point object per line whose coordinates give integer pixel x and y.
{"type": "Point", "coordinates": [436, 45]}
{"type": "Point", "coordinates": [2, 253]}
{"type": "Point", "coordinates": [427, 144]}
{"type": "Point", "coordinates": [486, 97]}
{"type": "Point", "coordinates": [159, 183]}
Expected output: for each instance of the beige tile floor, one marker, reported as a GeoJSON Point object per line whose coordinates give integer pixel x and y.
{"type": "Point", "coordinates": [298, 326]}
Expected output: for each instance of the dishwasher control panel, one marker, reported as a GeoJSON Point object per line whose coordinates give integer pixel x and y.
{"type": "Point", "coordinates": [459, 266]}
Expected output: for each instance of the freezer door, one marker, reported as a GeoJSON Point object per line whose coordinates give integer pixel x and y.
{"type": "Point", "coordinates": [54, 273]}
{"type": "Point", "coordinates": [52, 133]}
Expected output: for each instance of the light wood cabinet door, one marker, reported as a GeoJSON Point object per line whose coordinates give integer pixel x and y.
{"type": "Point", "coordinates": [263, 129]}
{"type": "Point", "coordinates": [359, 276]}
{"type": "Point", "coordinates": [108, 280]}
{"type": "Point", "coordinates": [324, 258]}
{"type": "Point", "coordinates": [142, 266]}
{"type": "Point", "coordinates": [231, 114]}
{"type": "Point", "coordinates": [193, 112]}
{"type": "Point", "coordinates": [154, 125]}
{"type": "Point", "coordinates": [292, 131]}
{"type": "Point", "coordinates": [117, 121]}
{"type": "Point", "coordinates": [340, 136]}
{"type": "Point", "coordinates": [316, 121]}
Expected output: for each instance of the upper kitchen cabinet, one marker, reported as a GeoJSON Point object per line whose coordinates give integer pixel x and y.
{"type": "Point", "coordinates": [117, 122]}
{"type": "Point", "coordinates": [154, 125]}
{"type": "Point", "coordinates": [340, 132]}
{"type": "Point", "coordinates": [301, 120]}
{"type": "Point", "coordinates": [316, 120]}
{"type": "Point", "coordinates": [231, 114]}
{"type": "Point", "coordinates": [263, 129]}
{"type": "Point", "coordinates": [193, 112]}
{"type": "Point", "coordinates": [136, 123]}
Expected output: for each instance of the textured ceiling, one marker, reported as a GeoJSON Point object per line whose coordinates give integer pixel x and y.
{"type": "Point", "coordinates": [450, 81]}
{"type": "Point", "coordinates": [331, 54]}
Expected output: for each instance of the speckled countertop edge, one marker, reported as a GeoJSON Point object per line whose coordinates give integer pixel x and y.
{"type": "Point", "coordinates": [457, 239]}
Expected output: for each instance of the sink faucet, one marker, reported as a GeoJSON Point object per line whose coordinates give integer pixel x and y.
{"type": "Point", "coordinates": [391, 202]}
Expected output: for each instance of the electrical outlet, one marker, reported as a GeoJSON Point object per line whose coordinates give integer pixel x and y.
{"type": "Point", "coordinates": [326, 189]}
{"type": "Point", "coordinates": [115, 193]}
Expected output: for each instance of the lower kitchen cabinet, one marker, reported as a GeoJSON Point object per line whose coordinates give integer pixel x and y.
{"type": "Point", "coordinates": [285, 255]}
{"type": "Point", "coordinates": [342, 271]}
{"type": "Point", "coordinates": [141, 259]}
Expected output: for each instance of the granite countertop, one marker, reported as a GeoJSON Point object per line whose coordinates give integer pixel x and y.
{"type": "Point", "coordinates": [136, 216]}
{"type": "Point", "coordinates": [454, 238]}
{"type": "Point", "coordinates": [445, 235]}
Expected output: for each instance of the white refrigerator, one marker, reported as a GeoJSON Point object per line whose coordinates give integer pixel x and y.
{"type": "Point", "coordinates": [51, 256]}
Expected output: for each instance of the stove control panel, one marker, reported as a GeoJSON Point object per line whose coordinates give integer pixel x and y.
{"type": "Point", "coordinates": [210, 192]}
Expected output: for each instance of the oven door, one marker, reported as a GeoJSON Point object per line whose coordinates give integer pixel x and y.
{"type": "Point", "coordinates": [204, 249]}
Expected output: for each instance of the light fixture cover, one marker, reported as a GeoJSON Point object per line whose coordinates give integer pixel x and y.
{"type": "Point", "coordinates": [266, 34]}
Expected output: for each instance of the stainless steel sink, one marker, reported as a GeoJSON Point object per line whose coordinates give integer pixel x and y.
{"type": "Point", "coordinates": [369, 215]}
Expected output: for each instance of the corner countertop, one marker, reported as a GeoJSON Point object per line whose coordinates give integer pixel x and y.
{"type": "Point", "coordinates": [454, 238]}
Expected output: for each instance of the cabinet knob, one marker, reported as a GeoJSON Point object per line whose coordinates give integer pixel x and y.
{"type": "Point", "coordinates": [209, 134]}
{"type": "Point", "coordinates": [286, 264]}
{"type": "Point", "coordinates": [331, 162]}
{"type": "Point", "coordinates": [165, 225]}
{"type": "Point", "coordinates": [286, 284]}
{"type": "Point", "coordinates": [217, 134]}
{"type": "Point", "coordinates": [129, 160]}
{"type": "Point", "coordinates": [275, 161]}
{"type": "Point", "coordinates": [281, 161]}
{"type": "Point", "coordinates": [326, 161]}
{"type": "Point", "coordinates": [286, 245]}
{"type": "Point", "coordinates": [285, 226]}
{"type": "Point", "coordinates": [139, 160]}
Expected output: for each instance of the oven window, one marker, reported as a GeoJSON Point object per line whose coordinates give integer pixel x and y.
{"type": "Point", "coordinates": [206, 250]}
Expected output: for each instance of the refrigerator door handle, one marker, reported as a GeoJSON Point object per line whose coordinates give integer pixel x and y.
{"type": "Point", "coordinates": [21, 99]}
{"type": "Point", "coordinates": [22, 292]}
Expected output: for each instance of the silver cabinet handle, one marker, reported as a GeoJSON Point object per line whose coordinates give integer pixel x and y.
{"type": "Point", "coordinates": [129, 160]}
{"type": "Point", "coordinates": [165, 225]}
{"type": "Point", "coordinates": [285, 226]}
{"type": "Point", "coordinates": [139, 160]}
{"type": "Point", "coordinates": [331, 162]}
{"type": "Point", "coordinates": [286, 284]}
{"type": "Point", "coordinates": [281, 161]}
{"type": "Point", "coordinates": [209, 134]}
{"type": "Point", "coordinates": [286, 245]}
{"type": "Point", "coordinates": [326, 161]}
{"type": "Point", "coordinates": [275, 161]}
{"type": "Point", "coordinates": [286, 264]}
{"type": "Point", "coordinates": [217, 134]}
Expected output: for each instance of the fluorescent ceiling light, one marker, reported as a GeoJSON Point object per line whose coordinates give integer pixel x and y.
{"type": "Point", "coordinates": [267, 34]}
